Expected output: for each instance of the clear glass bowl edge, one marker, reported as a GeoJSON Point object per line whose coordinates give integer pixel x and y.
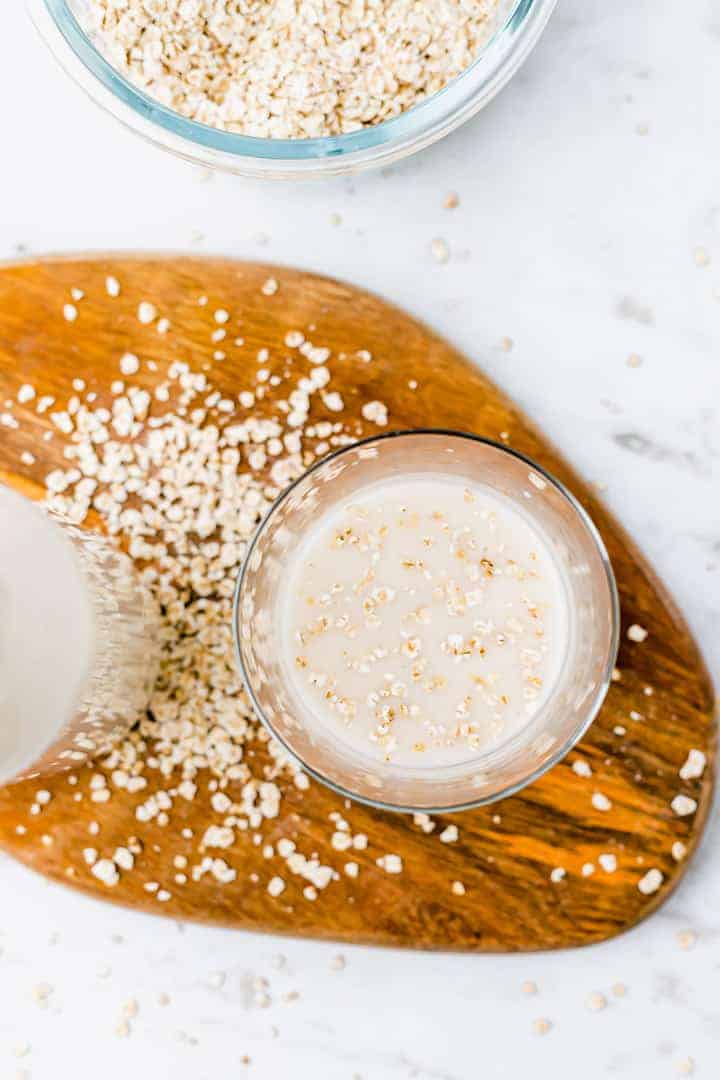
{"type": "Point", "coordinates": [372, 147]}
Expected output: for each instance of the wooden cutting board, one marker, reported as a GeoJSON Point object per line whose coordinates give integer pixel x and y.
{"type": "Point", "coordinates": [505, 853]}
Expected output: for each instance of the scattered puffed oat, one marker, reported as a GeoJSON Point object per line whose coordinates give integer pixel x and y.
{"type": "Point", "coordinates": [70, 312]}
{"type": "Point", "coordinates": [557, 874]}
{"type": "Point", "coordinates": [701, 257]}
{"type": "Point", "coordinates": [581, 768]}
{"type": "Point", "coordinates": [452, 201]}
{"type": "Point", "coordinates": [276, 885]}
{"type": "Point", "coordinates": [42, 992]}
{"type": "Point", "coordinates": [130, 1008]}
{"type": "Point", "coordinates": [124, 858]}
{"type": "Point", "coordinates": [678, 851]}
{"type": "Point", "coordinates": [694, 765]}
{"type": "Point", "coordinates": [686, 939]}
{"type": "Point", "coordinates": [529, 987]}
{"type": "Point", "coordinates": [163, 999]}
{"type": "Point", "coordinates": [352, 869]}
{"type": "Point", "coordinates": [376, 412]}
{"type": "Point", "coordinates": [634, 360]}
{"type": "Point", "coordinates": [27, 458]}
{"type": "Point", "coordinates": [216, 979]}
{"type": "Point", "coordinates": [106, 871]}
{"type": "Point", "coordinates": [77, 294]}
{"type": "Point", "coordinates": [129, 365]}
{"type": "Point", "coordinates": [440, 250]}
{"type": "Point", "coordinates": [341, 841]}
{"type": "Point", "coordinates": [25, 394]}
{"type": "Point", "coordinates": [146, 312]}
{"type": "Point", "coordinates": [458, 888]}
{"type": "Point", "coordinates": [333, 401]}
{"type": "Point", "coordinates": [391, 864]}
{"type": "Point", "coordinates": [600, 801]}
{"type": "Point", "coordinates": [651, 882]}
{"type": "Point", "coordinates": [122, 1030]}
{"type": "Point", "coordinates": [596, 1002]}
{"type": "Point", "coordinates": [636, 633]}
{"type": "Point", "coordinates": [338, 963]}
{"type": "Point", "coordinates": [608, 862]}
{"type": "Point", "coordinates": [686, 1067]}
{"type": "Point", "coordinates": [542, 1026]}
{"type": "Point", "coordinates": [270, 287]}
{"type": "Point", "coordinates": [619, 989]}
{"type": "Point", "coordinates": [424, 822]}
{"type": "Point", "coordinates": [682, 805]}
{"type": "Point", "coordinates": [588, 869]}
{"type": "Point", "coordinates": [112, 286]}
{"type": "Point", "coordinates": [449, 834]}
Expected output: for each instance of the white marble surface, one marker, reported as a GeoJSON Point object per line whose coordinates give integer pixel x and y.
{"type": "Point", "coordinates": [575, 237]}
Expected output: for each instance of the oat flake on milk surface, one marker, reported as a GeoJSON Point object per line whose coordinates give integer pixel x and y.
{"type": "Point", "coordinates": [291, 69]}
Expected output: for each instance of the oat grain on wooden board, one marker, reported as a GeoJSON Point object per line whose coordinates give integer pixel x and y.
{"type": "Point", "coordinates": [183, 832]}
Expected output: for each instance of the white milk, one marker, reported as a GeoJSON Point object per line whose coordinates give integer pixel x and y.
{"type": "Point", "coordinates": [78, 648]}
{"type": "Point", "coordinates": [425, 621]}
{"type": "Point", "coordinates": [45, 632]}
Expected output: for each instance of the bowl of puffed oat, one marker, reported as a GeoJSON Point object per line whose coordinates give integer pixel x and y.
{"type": "Point", "coordinates": [291, 88]}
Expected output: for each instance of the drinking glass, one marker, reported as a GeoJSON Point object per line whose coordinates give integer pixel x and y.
{"type": "Point", "coordinates": [591, 601]}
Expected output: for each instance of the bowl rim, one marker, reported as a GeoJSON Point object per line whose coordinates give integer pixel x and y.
{"type": "Point", "coordinates": [594, 705]}
{"type": "Point", "coordinates": [436, 115]}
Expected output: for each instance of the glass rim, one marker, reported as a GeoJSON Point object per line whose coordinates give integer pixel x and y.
{"type": "Point", "coordinates": [506, 48]}
{"type": "Point", "coordinates": [593, 707]}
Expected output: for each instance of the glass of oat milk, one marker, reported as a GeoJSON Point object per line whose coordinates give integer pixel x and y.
{"type": "Point", "coordinates": [79, 642]}
{"type": "Point", "coordinates": [427, 620]}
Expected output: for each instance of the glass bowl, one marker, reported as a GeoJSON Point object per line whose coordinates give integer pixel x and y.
{"type": "Point", "coordinates": [587, 664]}
{"type": "Point", "coordinates": [518, 28]}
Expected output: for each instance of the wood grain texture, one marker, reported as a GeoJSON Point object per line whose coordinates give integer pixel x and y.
{"type": "Point", "coordinates": [505, 852]}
